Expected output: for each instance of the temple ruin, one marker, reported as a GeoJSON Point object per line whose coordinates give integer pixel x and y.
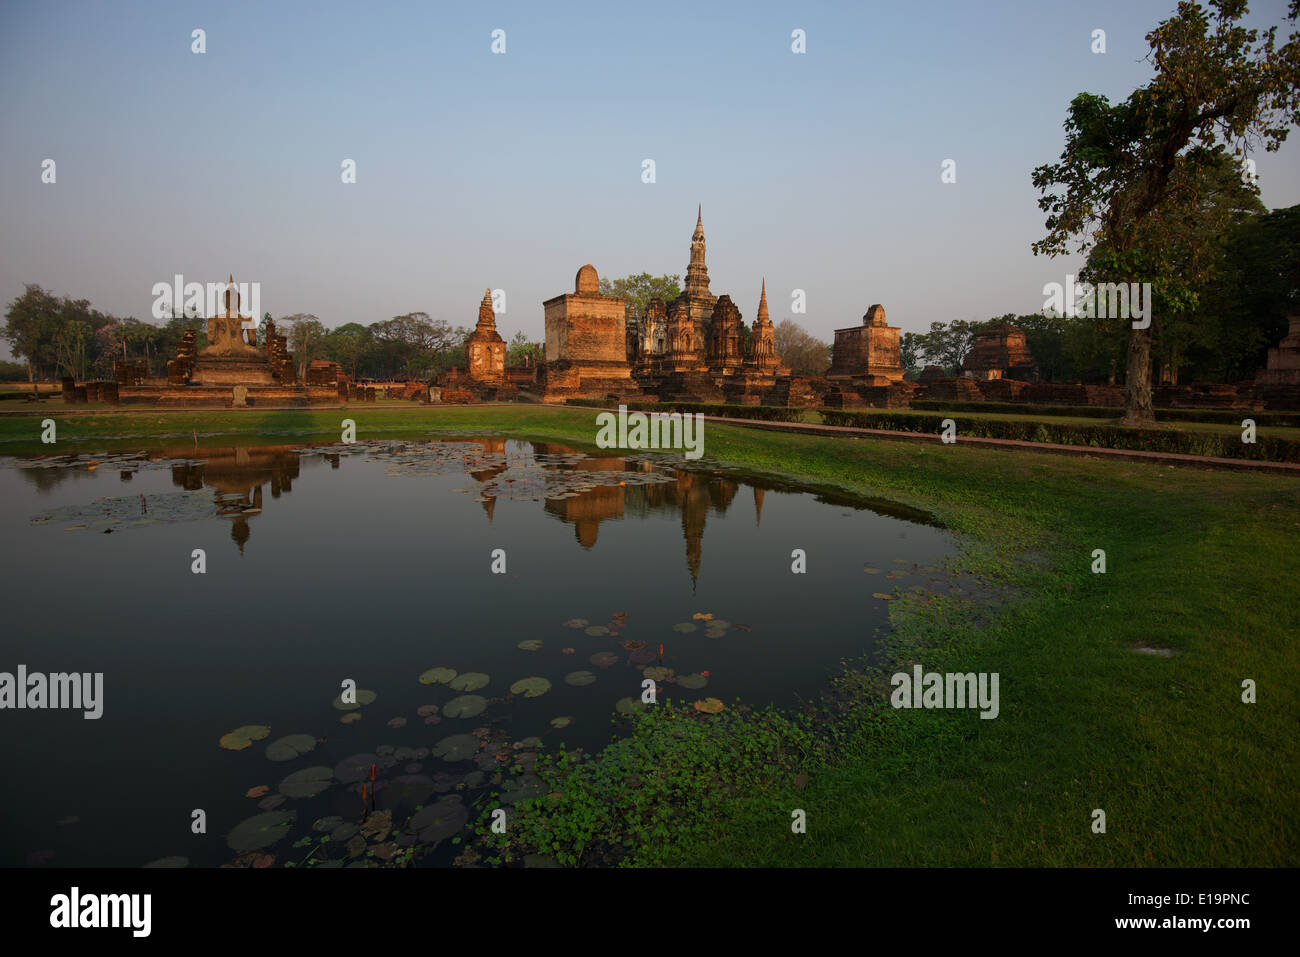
{"type": "Point", "coordinates": [866, 365]}
{"type": "Point", "coordinates": [586, 344]}
{"type": "Point", "coordinates": [231, 371]}
{"type": "Point", "coordinates": [1000, 352]}
{"type": "Point", "coordinates": [1278, 385]}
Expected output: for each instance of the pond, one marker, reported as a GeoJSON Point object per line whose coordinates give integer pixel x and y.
{"type": "Point", "coordinates": [486, 597]}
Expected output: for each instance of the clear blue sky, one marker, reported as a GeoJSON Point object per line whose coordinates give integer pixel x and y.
{"type": "Point", "coordinates": [819, 171]}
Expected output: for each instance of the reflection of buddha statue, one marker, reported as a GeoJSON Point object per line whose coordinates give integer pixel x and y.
{"type": "Point", "coordinates": [240, 532]}
{"type": "Point", "coordinates": [237, 477]}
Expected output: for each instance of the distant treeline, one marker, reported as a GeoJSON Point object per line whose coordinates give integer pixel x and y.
{"type": "Point", "coordinates": [58, 335]}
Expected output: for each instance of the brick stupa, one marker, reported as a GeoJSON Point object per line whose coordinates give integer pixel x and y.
{"type": "Point", "coordinates": [586, 344]}
{"type": "Point", "coordinates": [1000, 352]}
{"type": "Point", "coordinates": [485, 349]}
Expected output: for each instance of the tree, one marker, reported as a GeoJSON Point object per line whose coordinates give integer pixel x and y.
{"type": "Point", "coordinates": [347, 345]}
{"type": "Point", "coordinates": [306, 339]}
{"type": "Point", "coordinates": [29, 327]}
{"type": "Point", "coordinates": [1183, 241]}
{"type": "Point", "coordinates": [412, 345]}
{"type": "Point", "coordinates": [803, 353]}
{"type": "Point", "coordinates": [520, 348]}
{"type": "Point", "coordinates": [1260, 287]}
{"type": "Point", "coordinates": [909, 350]}
{"type": "Point", "coordinates": [638, 290]}
{"type": "Point", "coordinates": [1216, 82]}
{"type": "Point", "coordinates": [948, 343]}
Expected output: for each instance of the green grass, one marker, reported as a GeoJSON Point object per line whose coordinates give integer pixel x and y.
{"type": "Point", "coordinates": [1202, 563]}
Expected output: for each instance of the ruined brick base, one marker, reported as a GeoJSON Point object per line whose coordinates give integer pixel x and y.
{"type": "Point", "coordinates": [560, 381]}
{"type": "Point", "coordinates": [868, 392]}
{"type": "Point", "coordinates": [222, 396]}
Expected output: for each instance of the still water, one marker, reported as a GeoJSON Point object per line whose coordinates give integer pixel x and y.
{"type": "Point", "coordinates": [430, 573]}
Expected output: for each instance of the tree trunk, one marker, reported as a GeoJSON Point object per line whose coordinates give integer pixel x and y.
{"type": "Point", "coordinates": [32, 379]}
{"type": "Point", "coordinates": [1139, 410]}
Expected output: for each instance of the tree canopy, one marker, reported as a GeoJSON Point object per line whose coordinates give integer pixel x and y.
{"type": "Point", "coordinates": [1217, 85]}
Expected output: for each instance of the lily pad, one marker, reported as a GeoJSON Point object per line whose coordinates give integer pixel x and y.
{"type": "Point", "coordinates": [658, 673]}
{"type": "Point", "coordinates": [326, 824]}
{"type": "Point", "coordinates": [577, 623]}
{"type": "Point", "coordinates": [466, 706]}
{"type": "Point", "coordinates": [597, 630]}
{"type": "Point", "coordinates": [242, 737]}
{"type": "Point", "coordinates": [406, 791]}
{"type": "Point", "coordinates": [531, 687]}
{"type": "Point", "coordinates": [343, 833]}
{"type": "Point", "coordinates": [715, 633]}
{"type": "Point", "coordinates": [290, 746]}
{"type": "Point", "coordinates": [719, 624]}
{"type": "Point", "coordinates": [526, 787]}
{"type": "Point", "coordinates": [363, 696]}
{"type": "Point", "coordinates": [469, 681]}
{"type": "Point", "coordinates": [561, 722]}
{"type": "Point", "coordinates": [398, 722]}
{"type": "Point", "coordinates": [693, 682]}
{"type": "Point", "coordinates": [427, 709]}
{"type": "Point", "coordinates": [442, 820]}
{"type": "Point", "coordinates": [437, 676]}
{"type": "Point", "coordinates": [709, 706]}
{"type": "Point", "coordinates": [629, 705]}
{"type": "Point", "coordinates": [685, 627]}
{"type": "Point", "coordinates": [603, 659]}
{"type": "Point", "coordinates": [352, 717]}
{"type": "Point", "coordinates": [882, 596]}
{"type": "Point", "coordinates": [307, 783]}
{"type": "Point", "coordinates": [633, 645]}
{"type": "Point", "coordinates": [579, 678]}
{"type": "Point", "coordinates": [458, 747]}
{"type": "Point", "coordinates": [355, 767]}
{"type": "Point", "coordinates": [642, 656]}
{"type": "Point", "coordinates": [870, 571]}
{"type": "Point", "coordinates": [257, 792]}
{"type": "Point", "coordinates": [529, 644]}
{"type": "Point", "coordinates": [261, 830]}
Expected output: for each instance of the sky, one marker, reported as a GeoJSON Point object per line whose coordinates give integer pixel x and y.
{"type": "Point", "coordinates": [818, 171]}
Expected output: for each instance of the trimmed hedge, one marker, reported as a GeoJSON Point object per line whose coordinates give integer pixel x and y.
{"type": "Point", "coordinates": [1227, 446]}
{"type": "Point", "coordinates": [1214, 416]}
{"type": "Point", "coordinates": [765, 413]}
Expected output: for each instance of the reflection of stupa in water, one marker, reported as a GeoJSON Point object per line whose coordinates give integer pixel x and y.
{"type": "Point", "coordinates": [693, 494]}
{"type": "Point", "coordinates": [237, 475]}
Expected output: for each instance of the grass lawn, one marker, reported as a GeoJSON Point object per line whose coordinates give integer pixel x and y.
{"type": "Point", "coordinates": [1200, 563]}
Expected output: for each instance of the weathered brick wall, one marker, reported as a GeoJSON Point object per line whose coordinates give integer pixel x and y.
{"type": "Point", "coordinates": [863, 350]}
{"type": "Point", "coordinates": [585, 329]}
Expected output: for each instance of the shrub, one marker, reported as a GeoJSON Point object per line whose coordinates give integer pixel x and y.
{"type": "Point", "coordinates": [1226, 445]}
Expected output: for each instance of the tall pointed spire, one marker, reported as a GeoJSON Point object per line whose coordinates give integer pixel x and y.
{"type": "Point", "coordinates": [697, 273]}
{"type": "Point", "coordinates": [486, 317]}
{"type": "Point", "coordinates": [762, 304]}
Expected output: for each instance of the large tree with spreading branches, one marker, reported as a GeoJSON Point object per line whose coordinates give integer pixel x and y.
{"type": "Point", "coordinates": [1217, 84]}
